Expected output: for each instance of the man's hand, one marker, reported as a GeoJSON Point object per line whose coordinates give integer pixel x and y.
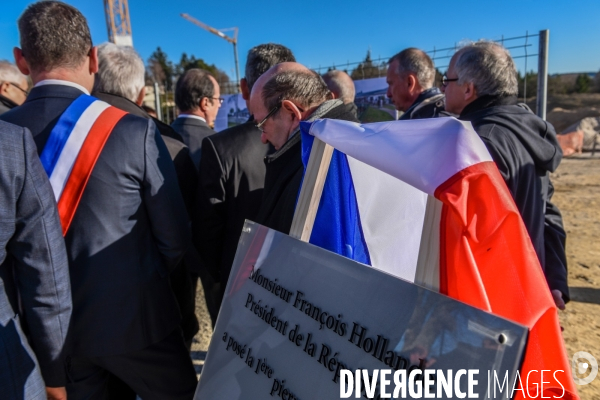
{"type": "Point", "coordinates": [558, 300]}
{"type": "Point", "coordinates": [56, 393]}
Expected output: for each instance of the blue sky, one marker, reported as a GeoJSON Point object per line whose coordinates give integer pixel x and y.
{"type": "Point", "coordinates": [322, 33]}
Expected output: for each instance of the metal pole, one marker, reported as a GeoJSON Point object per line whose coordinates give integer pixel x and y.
{"type": "Point", "coordinates": [237, 68]}
{"type": "Point", "coordinates": [157, 102]}
{"type": "Point", "coordinates": [542, 89]}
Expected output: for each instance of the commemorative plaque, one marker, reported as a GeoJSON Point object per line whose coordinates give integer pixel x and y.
{"type": "Point", "coordinates": [295, 316]}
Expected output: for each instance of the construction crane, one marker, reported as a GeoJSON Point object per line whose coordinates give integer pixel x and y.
{"type": "Point", "coordinates": [117, 22]}
{"type": "Point", "coordinates": [219, 33]}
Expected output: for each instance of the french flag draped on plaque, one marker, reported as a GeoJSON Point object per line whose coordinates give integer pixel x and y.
{"type": "Point", "coordinates": [72, 149]}
{"type": "Point", "coordinates": [486, 258]}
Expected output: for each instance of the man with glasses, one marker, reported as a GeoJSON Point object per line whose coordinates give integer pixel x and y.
{"type": "Point", "coordinates": [410, 78]}
{"type": "Point", "coordinates": [481, 87]}
{"type": "Point", "coordinates": [197, 96]}
{"type": "Point", "coordinates": [285, 95]}
{"type": "Point", "coordinates": [13, 86]}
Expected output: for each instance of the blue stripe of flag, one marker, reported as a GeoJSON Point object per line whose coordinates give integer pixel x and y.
{"type": "Point", "coordinates": [62, 130]}
{"type": "Point", "coordinates": [337, 225]}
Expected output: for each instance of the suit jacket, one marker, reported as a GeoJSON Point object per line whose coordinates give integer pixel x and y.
{"type": "Point", "coordinates": [130, 230]}
{"type": "Point", "coordinates": [193, 132]}
{"type": "Point", "coordinates": [187, 178]}
{"type": "Point", "coordinates": [35, 293]}
{"type": "Point", "coordinates": [232, 175]}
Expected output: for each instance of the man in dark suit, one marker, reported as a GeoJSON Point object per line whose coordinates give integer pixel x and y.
{"type": "Point", "coordinates": [35, 293]}
{"type": "Point", "coordinates": [232, 176]}
{"type": "Point", "coordinates": [128, 231]}
{"type": "Point", "coordinates": [120, 83]}
{"type": "Point", "coordinates": [197, 96]}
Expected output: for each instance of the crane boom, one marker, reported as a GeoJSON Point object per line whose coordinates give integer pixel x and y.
{"type": "Point", "coordinates": [212, 30]}
{"type": "Point", "coordinates": [219, 33]}
{"type": "Point", "coordinates": [117, 22]}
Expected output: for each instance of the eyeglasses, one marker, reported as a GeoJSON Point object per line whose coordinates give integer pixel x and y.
{"type": "Point", "coordinates": [446, 80]}
{"type": "Point", "coordinates": [270, 114]}
{"type": "Point", "coordinates": [221, 100]}
{"type": "Point", "coordinates": [25, 92]}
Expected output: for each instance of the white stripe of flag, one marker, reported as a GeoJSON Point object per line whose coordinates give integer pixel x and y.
{"type": "Point", "coordinates": [69, 154]}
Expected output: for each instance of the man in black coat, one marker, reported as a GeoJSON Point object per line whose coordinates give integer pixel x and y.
{"type": "Point", "coordinates": [282, 97]}
{"type": "Point", "coordinates": [197, 96]}
{"type": "Point", "coordinates": [129, 229]}
{"type": "Point", "coordinates": [481, 87]}
{"type": "Point", "coordinates": [232, 176]}
{"type": "Point", "coordinates": [120, 83]}
{"type": "Point", "coordinates": [410, 78]}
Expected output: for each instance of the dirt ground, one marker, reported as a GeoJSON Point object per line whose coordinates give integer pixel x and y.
{"type": "Point", "coordinates": [577, 194]}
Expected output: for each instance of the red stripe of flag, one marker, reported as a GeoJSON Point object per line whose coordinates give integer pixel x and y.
{"type": "Point", "coordinates": [84, 164]}
{"type": "Point", "coordinates": [487, 260]}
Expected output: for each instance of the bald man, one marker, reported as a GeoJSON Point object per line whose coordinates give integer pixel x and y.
{"type": "Point", "coordinates": [282, 97]}
{"type": "Point", "coordinates": [342, 87]}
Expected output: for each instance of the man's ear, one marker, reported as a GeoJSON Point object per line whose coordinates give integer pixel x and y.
{"type": "Point", "coordinates": [4, 87]}
{"type": "Point", "coordinates": [141, 96]}
{"type": "Point", "coordinates": [411, 82]}
{"type": "Point", "coordinates": [292, 109]}
{"type": "Point", "coordinates": [470, 92]}
{"type": "Point", "coordinates": [20, 61]}
{"type": "Point", "coordinates": [203, 104]}
{"type": "Point", "coordinates": [93, 60]}
{"type": "Point", "coordinates": [245, 89]}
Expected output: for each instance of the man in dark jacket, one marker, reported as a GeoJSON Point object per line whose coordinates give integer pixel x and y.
{"type": "Point", "coordinates": [481, 87]}
{"type": "Point", "coordinates": [129, 229]}
{"type": "Point", "coordinates": [232, 176]}
{"type": "Point", "coordinates": [120, 82]}
{"type": "Point", "coordinates": [282, 97]}
{"type": "Point", "coordinates": [410, 78]}
{"type": "Point", "coordinates": [197, 96]}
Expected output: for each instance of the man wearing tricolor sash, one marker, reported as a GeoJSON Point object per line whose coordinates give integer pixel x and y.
{"type": "Point", "coordinates": [121, 211]}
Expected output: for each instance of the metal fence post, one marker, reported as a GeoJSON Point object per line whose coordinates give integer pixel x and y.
{"type": "Point", "coordinates": [157, 102]}
{"type": "Point", "coordinates": [542, 89]}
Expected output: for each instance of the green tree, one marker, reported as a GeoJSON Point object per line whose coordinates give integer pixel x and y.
{"type": "Point", "coordinates": [583, 83]}
{"type": "Point", "coordinates": [161, 69]}
{"type": "Point", "coordinates": [367, 69]}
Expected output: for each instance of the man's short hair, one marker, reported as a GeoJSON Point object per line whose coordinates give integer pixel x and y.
{"type": "Point", "coordinates": [121, 71]}
{"type": "Point", "coordinates": [339, 82]}
{"type": "Point", "coordinates": [416, 61]}
{"type": "Point", "coordinates": [263, 57]}
{"type": "Point", "coordinates": [489, 66]}
{"type": "Point", "coordinates": [305, 88]}
{"type": "Point", "coordinates": [54, 34]}
{"type": "Point", "coordinates": [193, 86]}
{"type": "Point", "coordinates": [10, 73]}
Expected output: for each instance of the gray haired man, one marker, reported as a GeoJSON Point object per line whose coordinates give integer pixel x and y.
{"type": "Point", "coordinates": [13, 86]}
{"type": "Point", "coordinates": [120, 82]}
{"type": "Point", "coordinates": [410, 78]}
{"type": "Point", "coordinates": [481, 87]}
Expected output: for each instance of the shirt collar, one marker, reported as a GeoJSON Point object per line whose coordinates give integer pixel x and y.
{"type": "Point", "coordinates": [61, 82]}
{"type": "Point", "coordinates": [191, 116]}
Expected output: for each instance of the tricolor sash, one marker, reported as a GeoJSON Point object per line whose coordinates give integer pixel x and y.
{"type": "Point", "coordinates": [73, 148]}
